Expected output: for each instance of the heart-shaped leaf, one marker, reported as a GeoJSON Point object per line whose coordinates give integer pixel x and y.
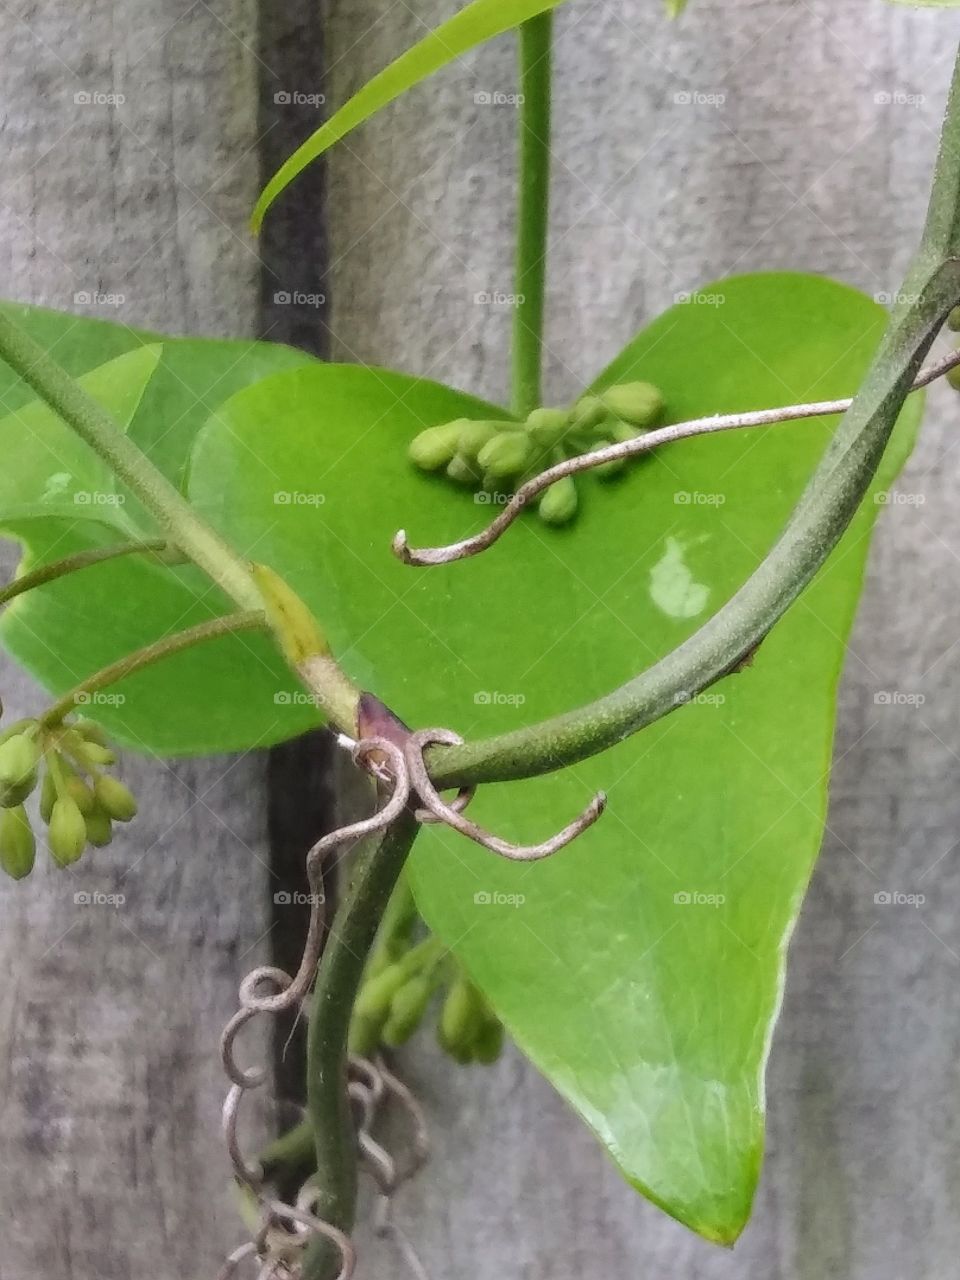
{"type": "Point", "coordinates": [641, 969]}
{"type": "Point", "coordinates": [473, 25]}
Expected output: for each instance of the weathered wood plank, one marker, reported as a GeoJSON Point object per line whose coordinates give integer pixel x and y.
{"type": "Point", "coordinates": [109, 1016]}
{"type": "Point", "coordinates": [800, 167]}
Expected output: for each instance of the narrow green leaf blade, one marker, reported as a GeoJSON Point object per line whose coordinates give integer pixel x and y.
{"type": "Point", "coordinates": [473, 25]}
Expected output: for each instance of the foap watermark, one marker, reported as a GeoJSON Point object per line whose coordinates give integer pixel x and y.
{"type": "Point", "coordinates": [97, 298]}
{"type": "Point", "coordinates": [894, 898]}
{"type": "Point", "coordinates": [898, 98]}
{"type": "Point", "coordinates": [497, 298]}
{"type": "Point", "coordinates": [100, 698]}
{"type": "Point", "coordinates": [694, 498]}
{"type": "Point", "coordinates": [487, 899]}
{"type": "Point", "coordinates": [98, 98]}
{"type": "Point", "coordinates": [96, 498]}
{"type": "Point", "coordinates": [297, 98]}
{"type": "Point", "coordinates": [696, 98]}
{"type": "Point", "coordinates": [696, 898]}
{"type": "Point", "coordinates": [697, 298]}
{"type": "Point", "coordinates": [96, 898]}
{"type": "Point", "coordinates": [897, 498]}
{"type": "Point", "coordinates": [484, 498]}
{"type": "Point", "coordinates": [493, 698]}
{"type": "Point", "coordinates": [298, 298]}
{"type": "Point", "coordinates": [294, 498]}
{"type": "Point", "coordinates": [297, 898]}
{"type": "Point", "coordinates": [496, 98]}
{"type": "Point", "coordinates": [296, 698]}
{"type": "Point", "coordinates": [898, 698]}
{"type": "Point", "coordinates": [704, 699]}
{"type": "Point", "coordinates": [898, 299]}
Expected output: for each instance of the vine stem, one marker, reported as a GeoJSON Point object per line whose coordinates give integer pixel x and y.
{"type": "Point", "coordinates": [248, 620]}
{"type": "Point", "coordinates": [627, 449]}
{"type": "Point", "coordinates": [73, 564]}
{"type": "Point", "coordinates": [100, 430]}
{"type": "Point", "coordinates": [377, 867]}
{"type": "Point", "coordinates": [289, 619]}
{"type": "Point", "coordinates": [831, 499]}
{"type": "Point", "coordinates": [536, 57]}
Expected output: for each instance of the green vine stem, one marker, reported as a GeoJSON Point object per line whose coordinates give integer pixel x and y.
{"type": "Point", "coordinates": [931, 289]}
{"type": "Point", "coordinates": [186, 530]}
{"type": "Point", "coordinates": [72, 564]}
{"type": "Point", "coordinates": [375, 871]}
{"type": "Point", "coordinates": [100, 430]}
{"type": "Point", "coordinates": [249, 620]}
{"type": "Point", "coordinates": [533, 212]}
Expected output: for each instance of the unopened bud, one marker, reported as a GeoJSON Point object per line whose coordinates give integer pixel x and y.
{"type": "Point", "coordinates": [406, 1011]}
{"type": "Point", "coordinates": [639, 403]}
{"type": "Point", "coordinates": [462, 471]}
{"type": "Point", "coordinates": [99, 828]}
{"type": "Point", "coordinates": [506, 454]}
{"type": "Point", "coordinates": [19, 757]}
{"type": "Point", "coordinates": [474, 436]}
{"type": "Point", "coordinates": [67, 834]}
{"type": "Point", "coordinates": [116, 800]}
{"type": "Point", "coordinates": [461, 1019]}
{"type": "Point", "coordinates": [488, 1045]}
{"type": "Point", "coordinates": [433, 448]}
{"type": "Point", "coordinates": [17, 845]}
{"type": "Point", "coordinates": [548, 426]}
{"type": "Point", "coordinates": [558, 505]}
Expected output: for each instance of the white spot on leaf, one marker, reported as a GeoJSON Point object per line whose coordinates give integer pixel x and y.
{"type": "Point", "coordinates": [672, 586]}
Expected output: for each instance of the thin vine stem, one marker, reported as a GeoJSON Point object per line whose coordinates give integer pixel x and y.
{"type": "Point", "coordinates": [627, 449]}
{"type": "Point", "coordinates": [536, 58]}
{"type": "Point", "coordinates": [377, 867]}
{"type": "Point", "coordinates": [73, 564]}
{"type": "Point", "coordinates": [100, 430]}
{"type": "Point", "coordinates": [831, 499]}
{"type": "Point", "coordinates": [248, 620]}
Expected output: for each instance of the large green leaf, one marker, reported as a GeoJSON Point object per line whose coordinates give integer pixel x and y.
{"type": "Point", "coordinates": [641, 969]}
{"type": "Point", "coordinates": [473, 25]}
{"type": "Point", "coordinates": [56, 498]}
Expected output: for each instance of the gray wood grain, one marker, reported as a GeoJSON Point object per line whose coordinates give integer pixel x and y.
{"type": "Point", "coordinates": [112, 1164]}
{"type": "Point", "coordinates": [802, 166]}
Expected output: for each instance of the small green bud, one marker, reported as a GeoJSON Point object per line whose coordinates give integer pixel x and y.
{"type": "Point", "coordinates": [99, 828]}
{"type": "Point", "coordinates": [639, 403]}
{"type": "Point", "coordinates": [116, 800]}
{"type": "Point", "coordinates": [48, 796]}
{"type": "Point", "coordinates": [19, 757]}
{"type": "Point", "coordinates": [67, 835]}
{"type": "Point", "coordinates": [506, 454]}
{"type": "Point", "coordinates": [953, 320]}
{"type": "Point", "coordinates": [80, 794]}
{"type": "Point", "coordinates": [474, 436]}
{"type": "Point", "coordinates": [488, 1045]}
{"type": "Point", "coordinates": [953, 377]}
{"type": "Point", "coordinates": [92, 752]}
{"type": "Point", "coordinates": [17, 845]}
{"type": "Point", "coordinates": [433, 448]}
{"type": "Point", "coordinates": [364, 1038]}
{"type": "Point", "coordinates": [90, 730]}
{"type": "Point", "coordinates": [558, 504]}
{"type": "Point", "coordinates": [462, 471]}
{"type": "Point", "coordinates": [406, 1010]}
{"type": "Point", "coordinates": [548, 426]}
{"type": "Point", "coordinates": [377, 994]}
{"type": "Point", "coordinates": [461, 1019]}
{"type": "Point", "coordinates": [588, 413]}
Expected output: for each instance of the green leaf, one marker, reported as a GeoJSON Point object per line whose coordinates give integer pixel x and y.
{"type": "Point", "coordinates": [651, 1015]}
{"type": "Point", "coordinates": [59, 633]}
{"type": "Point", "coordinates": [473, 25]}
